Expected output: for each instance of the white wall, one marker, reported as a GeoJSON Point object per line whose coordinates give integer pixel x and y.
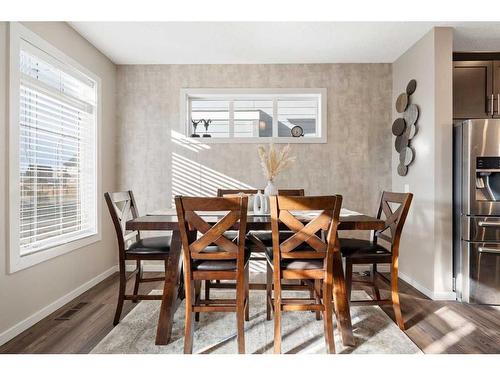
{"type": "Point", "coordinates": [28, 295]}
{"type": "Point", "coordinates": [426, 247]}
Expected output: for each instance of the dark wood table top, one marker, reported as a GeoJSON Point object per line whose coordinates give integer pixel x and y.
{"type": "Point", "coordinates": [167, 220]}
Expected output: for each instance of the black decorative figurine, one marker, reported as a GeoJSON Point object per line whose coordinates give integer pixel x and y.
{"type": "Point", "coordinates": [206, 123]}
{"type": "Point", "coordinates": [195, 124]}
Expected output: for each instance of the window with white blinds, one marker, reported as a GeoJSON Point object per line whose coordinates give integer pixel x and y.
{"type": "Point", "coordinates": [57, 152]}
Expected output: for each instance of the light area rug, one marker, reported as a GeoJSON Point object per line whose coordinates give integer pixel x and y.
{"type": "Point", "coordinates": [374, 331]}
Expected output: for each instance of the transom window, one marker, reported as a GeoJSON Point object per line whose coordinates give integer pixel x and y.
{"type": "Point", "coordinates": [255, 115]}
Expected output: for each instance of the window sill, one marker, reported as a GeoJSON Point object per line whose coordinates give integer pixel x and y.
{"type": "Point", "coordinates": [299, 140]}
{"type": "Point", "coordinates": [18, 262]}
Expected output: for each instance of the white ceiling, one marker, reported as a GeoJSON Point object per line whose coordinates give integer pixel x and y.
{"type": "Point", "coordinates": [273, 42]}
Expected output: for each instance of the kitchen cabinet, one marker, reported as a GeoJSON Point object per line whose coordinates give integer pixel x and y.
{"type": "Point", "coordinates": [474, 91]}
{"type": "Point", "coordinates": [496, 88]}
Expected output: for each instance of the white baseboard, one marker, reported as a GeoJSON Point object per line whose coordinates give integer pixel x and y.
{"type": "Point", "coordinates": [23, 325]}
{"type": "Point", "coordinates": [436, 296]}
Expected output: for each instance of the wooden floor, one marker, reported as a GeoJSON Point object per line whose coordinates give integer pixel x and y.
{"type": "Point", "coordinates": [436, 327]}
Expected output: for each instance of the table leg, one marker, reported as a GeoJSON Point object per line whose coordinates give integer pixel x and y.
{"type": "Point", "coordinates": [170, 291]}
{"type": "Point", "coordinates": [341, 303]}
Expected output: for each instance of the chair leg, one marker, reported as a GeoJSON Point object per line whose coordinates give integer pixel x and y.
{"type": "Point", "coordinates": [188, 323]}
{"type": "Point", "coordinates": [348, 278]}
{"type": "Point", "coordinates": [277, 313]}
{"type": "Point", "coordinates": [240, 312]}
{"type": "Point", "coordinates": [138, 277]}
{"type": "Point", "coordinates": [121, 293]}
{"type": "Point", "coordinates": [375, 289]}
{"type": "Point", "coordinates": [197, 291]}
{"type": "Point", "coordinates": [247, 292]}
{"type": "Point", "coordinates": [395, 299]}
{"type": "Point", "coordinates": [328, 317]}
{"type": "Point", "coordinates": [317, 296]}
{"type": "Point", "coordinates": [269, 291]}
{"type": "Point", "coordinates": [207, 289]}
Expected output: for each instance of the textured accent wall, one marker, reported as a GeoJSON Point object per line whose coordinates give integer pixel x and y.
{"type": "Point", "coordinates": [356, 161]}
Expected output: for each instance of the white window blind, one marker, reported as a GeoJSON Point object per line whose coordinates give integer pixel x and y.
{"type": "Point", "coordinates": [57, 152]}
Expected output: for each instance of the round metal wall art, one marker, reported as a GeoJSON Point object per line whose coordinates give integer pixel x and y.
{"type": "Point", "coordinates": [402, 170]}
{"type": "Point", "coordinates": [400, 142]}
{"type": "Point", "coordinates": [411, 114]}
{"type": "Point", "coordinates": [401, 102]}
{"type": "Point", "coordinates": [398, 126]}
{"type": "Point", "coordinates": [411, 87]}
{"type": "Point", "coordinates": [405, 127]}
{"type": "Point", "coordinates": [411, 131]}
{"type": "Point", "coordinates": [406, 156]}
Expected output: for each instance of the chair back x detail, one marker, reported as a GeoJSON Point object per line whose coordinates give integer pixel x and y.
{"type": "Point", "coordinates": [188, 209]}
{"type": "Point", "coordinates": [305, 243]}
{"type": "Point", "coordinates": [394, 218]}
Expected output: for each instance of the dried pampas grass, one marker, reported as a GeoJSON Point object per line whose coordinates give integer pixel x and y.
{"type": "Point", "coordinates": [274, 161]}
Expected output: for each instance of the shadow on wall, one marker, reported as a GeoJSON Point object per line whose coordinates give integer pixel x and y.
{"type": "Point", "coordinates": [190, 177]}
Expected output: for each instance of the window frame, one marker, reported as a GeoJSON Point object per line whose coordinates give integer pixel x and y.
{"type": "Point", "coordinates": [240, 93]}
{"type": "Point", "coordinates": [17, 262]}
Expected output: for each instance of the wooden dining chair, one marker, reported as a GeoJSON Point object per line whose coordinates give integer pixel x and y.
{"type": "Point", "coordinates": [209, 255]}
{"type": "Point", "coordinates": [122, 207]}
{"type": "Point", "coordinates": [303, 256]}
{"type": "Point", "coordinates": [358, 251]}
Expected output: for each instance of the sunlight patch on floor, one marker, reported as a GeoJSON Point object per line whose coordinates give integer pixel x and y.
{"type": "Point", "coordinates": [461, 328]}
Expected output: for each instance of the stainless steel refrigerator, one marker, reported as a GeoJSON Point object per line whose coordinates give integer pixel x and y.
{"type": "Point", "coordinates": [476, 222]}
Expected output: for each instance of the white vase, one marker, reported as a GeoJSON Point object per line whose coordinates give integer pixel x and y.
{"type": "Point", "coordinates": [260, 203]}
{"type": "Point", "coordinates": [271, 188]}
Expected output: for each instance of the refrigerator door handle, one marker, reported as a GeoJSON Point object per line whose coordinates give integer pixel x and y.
{"type": "Point", "coordinates": [489, 223]}
{"type": "Point", "coordinates": [489, 250]}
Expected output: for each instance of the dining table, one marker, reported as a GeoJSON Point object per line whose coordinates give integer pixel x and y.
{"type": "Point", "coordinates": [166, 220]}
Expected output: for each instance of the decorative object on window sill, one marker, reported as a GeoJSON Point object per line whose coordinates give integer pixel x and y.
{"type": "Point", "coordinates": [206, 123]}
{"type": "Point", "coordinates": [297, 131]}
{"type": "Point", "coordinates": [405, 127]}
{"type": "Point", "coordinates": [195, 124]}
{"type": "Point", "coordinates": [274, 161]}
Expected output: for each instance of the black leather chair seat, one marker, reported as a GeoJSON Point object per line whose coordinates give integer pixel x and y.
{"type": "Point", "coordinates": [231, 234]}
{"type": "Point", "coordinates": [353, 247]}
{"type": "Point", "coordinates": [218, 265]}
{"type": "Point", "coordinates": [297, 264]}
{"type": "Point", "coordinates": [266, 237]}
{"type": "Point", "coordinates": [150, 246]}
